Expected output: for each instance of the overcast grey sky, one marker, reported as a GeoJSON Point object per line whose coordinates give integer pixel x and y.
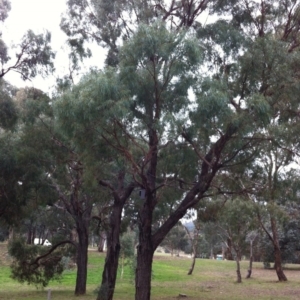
{"type": "Point", "coordinates": [38, 15]}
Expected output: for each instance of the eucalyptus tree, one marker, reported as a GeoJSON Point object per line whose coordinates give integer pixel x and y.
{"type": "Point", "coordinates": [108, 24]}
{"type": "Point", "coordinates": [251, 237]}
{"type": "Point", "coordinates": [126, 132]}
{"type": "Point", "coordinates": [20, 175]}
{"type": "Point", "coordinates": [248, 76]}
{"type": "Point", "coordinates": [33, 54]}
{"type": "Point", "coordinates": [65, 182]}
{"type": "Point", "coordinates": [84, 127]}
{"type": "Point", "coordinates": [235, 223]}
{"type": "Point", "coordinates": [11, 197]}
{"type": "Point", "coordinates": [157, 68]}
{"type": "Point", "coordinates": [8, 110]}
{"type": "Point", "coordinates": [231, 108]}
{"type": "Point", "coordinates": [194, 237]}
{"type": "Point", "coordinates": [273, 197]}
{"type": "Point", "coordinates": [176, 240]}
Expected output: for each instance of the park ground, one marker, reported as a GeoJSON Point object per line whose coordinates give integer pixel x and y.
{"type": "Point", "coordinates": [211, 280]}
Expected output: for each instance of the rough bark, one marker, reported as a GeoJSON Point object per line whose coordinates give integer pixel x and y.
{"type": "Point", "coordinates": [278, 264]}
{"type": "Point", "coordinates": [148, 242]}
{"type": "Point", "coordinates": [109, 274]}
{"type": "Point", "coordinates": [144, 271]}
{"type": "Point", "coordinates": [82, 256]}
{"type": "Point", "coordinates": [145, 249]}
{"type": "Point", "coordinates": [145, 252]}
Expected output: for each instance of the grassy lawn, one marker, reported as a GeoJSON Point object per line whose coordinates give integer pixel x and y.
{"type": "Point", "coordinates": [211, 280]}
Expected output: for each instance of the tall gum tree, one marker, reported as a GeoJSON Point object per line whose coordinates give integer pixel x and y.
{"type": "Point", "coordinates": [32, 55]}
{"type": "Point", "coordinates": [158, 67]}
{"type": "Point", "coordinates": [270, 176]}
{"type": "Point", "coordinates": [235, 226]}
{"type": "Point", "coordinates": [226, 125]}
{"type": "Point", "coordinates": [159, 73]}
{"type": "Point", "coordinates": [233, 104]}
{"type": "Point", "coordinates": [100, 106]}
{"type": "Point", "coordinates": [93, 128]}
{"type": "Point", "coordinates": [108, 24]}
{"type": "Point", "coordinates": [64, 170]}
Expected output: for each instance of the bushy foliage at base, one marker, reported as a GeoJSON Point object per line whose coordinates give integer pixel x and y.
{"type": "Point", "coordinates": [35, 264]}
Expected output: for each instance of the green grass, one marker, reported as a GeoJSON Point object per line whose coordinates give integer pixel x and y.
{"type": "Point", "coordinates": [211, 280]}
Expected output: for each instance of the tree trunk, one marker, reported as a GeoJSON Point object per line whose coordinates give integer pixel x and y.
{"type": "Point", "coordinates": [109, 274]}
{"type": "Point", "coordinates": [278, 264]}
{"type": "Point", "coordinates": [238, 271]}
{"type": "Point", "coordinates": [277, 252]}
{"type": "Point", "coordinates": [30, 234]}
{"type": "Point", "coordinates": [102, 239]}
{"type": "Point", "coordinates": [250, 260]}
{"type": "Point", "coordinates": [195, 244]}
{"type": "Point", "coordinates": [228, 253]}
{"type": "Point", "coordinates": [238, 267]}
{"type": "Point", "coordinates": [190, 272]}
{"type": "Point", "coordinates": [82, 256]}
{"type": "Point", "coordinates": [145, 254]}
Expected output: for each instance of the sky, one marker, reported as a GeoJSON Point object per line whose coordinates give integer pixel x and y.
{"type": "Point", "coordinates": [41, 15]}
{"type": "Point", "coordinates": [38, 15]}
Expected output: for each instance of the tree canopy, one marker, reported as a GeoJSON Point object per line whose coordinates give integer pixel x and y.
{"type": "Point", "coordinates": [184, 112]}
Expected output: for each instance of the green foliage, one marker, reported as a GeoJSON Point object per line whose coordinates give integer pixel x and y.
{"type": "Point", "coordinates": [127, 252]}
{"type": "Point", "coordinates": [14, 179]}
{"type": "Point", "coordinates": [33, 56]}
{"type": "Point", "coordinates": [209, 210]}
{"type": "Point", "coordinates": [33, 266]}
{"type": "Point", "coordinates": [178, 105]}
{"type": "Point", "coordinates": [161, 69]}
{"type": "Point", "coordinates": [8, 109]}
{"type": "Point", "coordinates": [36, 55]}
{"type": "Point", "coordinates": [224, 34]}
{"type": "Point", "coordinates": [127, 242]}
{"type": "Point", "coordinates": [33, 105]}
{"type": "Point", "coordinates": [237, 219]}
{"type": "Point", "coordinates": [8, 112]}
{"type": "Point", "coordinates": [176, 239]}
